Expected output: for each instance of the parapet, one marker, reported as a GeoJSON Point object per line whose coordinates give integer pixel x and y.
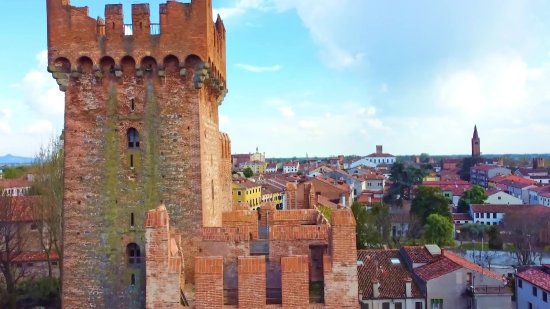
{"type": "Point", "coordinates": [342, 217]}
{"type": "Point", "coordinates": [184, 30]}
{"type": "Point", "coordinates": [299, 232]}
{"type": "Point", "coordinates": [294, 217]}
{"type": "Point", "coordinates": [242, 218]}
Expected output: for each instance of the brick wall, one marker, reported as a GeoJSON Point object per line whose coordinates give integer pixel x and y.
{"type": "Point", "coordinates": [266, 212]}
{"type": "Point", "coordinates": [164, 262]}
{"type": "Point", "coordinates": [209, 282]}
{"type": "Point", "coordinates": [252, 292]}
{"type": "Point", "coordinates": [169, 90]}
{"type": "Point", "coordinates": [340, 268]}
{"type": "Point", "coordinates": [291, 195]}
{"type": "Point", "coordinates": [295, 278]}
{"type": "Point", "coordinates": [242, 218]}
{"type": "Point", "coordinates": [293, 217]}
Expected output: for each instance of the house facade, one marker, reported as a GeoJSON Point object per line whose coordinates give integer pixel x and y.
{"type": "Point", "coordinates": [500, 197]}
{"type": "Point", "coordinates": [374, 159]}
{"type": "Point", "coordinates": [451, 281]}
{"type": "Point", "coordinates": [14, 187]}
{"type": "Point", "coordinates": [533, 287]}
{"type": "Point", "coordinates": [258, 167]}
{"type": "Point", "coordinates": [534, 193]}
{"type": "Point", "coordinates": [247, 191]}
{"type": "Point", "coordinates": [291, 167]}
{"type": "Point", "coordinates": [480, 174]}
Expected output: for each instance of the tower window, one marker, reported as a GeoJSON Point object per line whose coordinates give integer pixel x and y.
{"type": "Point", "coordinates": [132, 161]}
{"type": "Point", "coordinates": [134, 254]}
{"type": "Point", "coordinates": [132, 105]}
{"type": "Point", "coordinates": [132, 219]}
{"type": "Point", "coordinates": [133, 138]}
{"type": "Point", "coordinates": [133, 279]}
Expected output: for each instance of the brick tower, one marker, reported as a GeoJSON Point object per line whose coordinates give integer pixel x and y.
{"type": "Point", "coordinates": [476, 150]}
{"type": "Point", "coordinates": [141, 129]}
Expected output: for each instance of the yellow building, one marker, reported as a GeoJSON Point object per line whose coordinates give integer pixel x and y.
{"type": "Point", "coordinates": [432, 177]}
{"type": "Point", "coordinates": [245, 190]}
{"type": "Point", "coordinates": [258, 167]}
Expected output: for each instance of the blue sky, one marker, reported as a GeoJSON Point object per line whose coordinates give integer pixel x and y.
{"type": "Point", "coordinates": [328, 77]}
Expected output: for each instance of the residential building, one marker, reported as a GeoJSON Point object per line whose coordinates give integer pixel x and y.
{"type": "Point", "coordinates": [454, 192]}
{"type": "Point", "coordinates": [532, 287]}
{"type": "Point", "coordinates": [534, 193]}
{"type": "Point", "coordinates": [500, 197]}
{"type": "Point", "coordinates": [278, 187]}
{"type": "Point", "coordinates": [15, 187]}
{"type": "Point", "coordinates": [480, 174]}
{"type": "Point", "coordinates": [528, 173]}
{"type": "Point", "coordinates": [450, 163]}
{"type": "Point", "coordinates": [544, 198]}
{"type": "Point", "coordinates": [374, 159]}
{"type": "Point", "coordinates": [291, 167]}
{"type": "Point", "coordinates": [272, 167]}
{"type": "Point", "coordinates": [491, 214]}
{"type": "Point", "coordinates": [451, 281]}
{"type": "Point", "coordinates": [337, 191]}
{"type": "Point", "coordinates": [238, 159]}
{"type": "Point", "coordinates": [267, 195]}
{"type": "Point", "coordinates": [385, 281]}
{"type": "Point", "coordinates": [258, 167]}
{"type": "Point", "coordinates": [247, 191]}
{"type": "Point", "coordinates": [517, 189]}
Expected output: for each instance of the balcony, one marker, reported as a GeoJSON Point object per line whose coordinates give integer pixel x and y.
{"type": "Point", "coordinates": [488, 290]}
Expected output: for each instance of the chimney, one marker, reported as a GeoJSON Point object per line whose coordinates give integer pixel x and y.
{"type": "Point", "coordinates": [442, 252]}
{"type": "Point", "coordinates": [360, 295]}
{"type": "Point", "coordinates": [343, 199]}
{"type": "Point", "coordinates": [408, 287]}
{"type": "Point", "coordinates": [375, 287]}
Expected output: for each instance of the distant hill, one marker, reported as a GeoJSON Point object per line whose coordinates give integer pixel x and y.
{"type": "Point", "coordinates": [10, 159]}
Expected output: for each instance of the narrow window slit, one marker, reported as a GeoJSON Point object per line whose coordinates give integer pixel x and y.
{"type": "Point", "coordinates": [132, 219]}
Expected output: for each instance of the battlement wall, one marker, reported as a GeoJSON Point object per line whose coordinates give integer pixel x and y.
{"type": "Point", "coordinates": [293, 217]}
{"type": "Point", "coordinates": [184, 29]}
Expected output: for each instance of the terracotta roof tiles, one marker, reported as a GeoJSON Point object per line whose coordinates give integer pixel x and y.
{"type": "Point", "coordinates": [419, 254]}
{"type": "Point", "coordinates": [377, 265]}
{"type": "Point", "coordinates": [536, 277]}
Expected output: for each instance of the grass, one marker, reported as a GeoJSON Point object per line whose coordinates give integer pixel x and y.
{"type": "Point", "coordinates": [477, 246]}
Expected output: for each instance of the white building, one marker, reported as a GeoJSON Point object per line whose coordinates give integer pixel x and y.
{"type": "Point", "coordinates": [291, 167]}
{"type": "Point", "coordinates": [271, 167]}
{"type": "Point", "coordinates": [14, 187]}
{"type": "Point", "coordinates": [544, 198]}
{"type": "Point", "coordinates": [534, 193]}
{"type": "Point", "coordinates": [374, 159]}
{"type": "Point", "coordinates": [493, 214]}
{"type": "Point", "coordinates": [501, 197]}
{"type": "Point", "coordinates": [533, 287]}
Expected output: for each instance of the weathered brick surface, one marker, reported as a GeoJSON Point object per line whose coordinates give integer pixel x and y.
{"type": "Point", "coordinates": [290, 232]}
{"type": "Point", "coordinates": [340, 269]}
{"type": "Point", "coordinates": [252, 292]}
{"type": "Point", "coordinates": [294, 217]}
{"type": "Point", "coordinates": [242, 218]}
{"type": "Point", "coordinates": [164, 262]}
{"type": "Point", "coordinates": [183, 160]}
{"type": "Point", "coordinates": [208, 282]}
{"type": "Point", "coordinates": [295, 280]}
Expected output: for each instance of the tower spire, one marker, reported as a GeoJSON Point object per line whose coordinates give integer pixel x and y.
{"type": "Point", "coordinates": [475, 132]}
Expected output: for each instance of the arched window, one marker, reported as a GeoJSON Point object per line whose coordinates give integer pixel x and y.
{"type": "Point", "coordinates": [134, 254]}
{"type": "Point", "coordinates": [133, 138]}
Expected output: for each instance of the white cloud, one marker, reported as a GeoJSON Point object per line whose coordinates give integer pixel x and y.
{"type": "Point", "coordinates": [223, 119]}
{"type": "Point", "coordinates": [37, 105]}
{"type": "Point", "coordinates": [4, 121]}
{"type": "Point", "coordinates": [286, 111]}
{"type": "Point", "coordinates": [239, 8]}
{"type": "Point", "coordinates": [39, 127]}
{"type": "Point", "coordinates": [384, 88]}
{"type": "Point", "coordinates": [307, 124]}
{"type": "Point", "coordinates": [257, 69]}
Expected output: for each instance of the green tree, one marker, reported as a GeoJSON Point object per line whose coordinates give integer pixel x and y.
{"type": "Point", "coordinates": [495, 238]}
{"type": "Point", "coordinates": [361, 228]}
{"type": "Point", "coordinates": [428, 201]}
{"type": "Point", "coordinates": [424, 157]}
{"type": "Point", "coordinates": [439, 230]}
{"type": "Point", "coordinates": [14, 172]}
{"type": "Point", "coordinates": [372, 227]}
{"type": "Point", "coordinates": [248, 172]}
{"type": "Point", "coordinates": [403, 180]}
{"type": "Point", "coordinates": [474, 195]}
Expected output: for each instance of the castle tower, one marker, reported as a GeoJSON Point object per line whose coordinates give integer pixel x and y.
{"type": "Point", "coordinates": [141, 129]}
{"type": "Point", "coordinates": [476, 150]}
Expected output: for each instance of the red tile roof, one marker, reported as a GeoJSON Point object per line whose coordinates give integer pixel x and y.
{"type": "Point", "coordinates": [291, 163]}
{"type": "Point", "coordinates": [448, 263]}
{"type": "Point", "coordinates": [506, 178]}
{"type": "Point", "coordinates": [14, 183]}
{"type": "Point", "coordinates": [504, 208]}
{"type": "Point", "coordinates": [325, 201]}
{"type": "Point", "coordinates": [516, 184]}
{"type": "Point", "coordinates": [536, 277]}
{"type": "Point", "coordinates": [377, 265]}
{"type": "Point", "coordinates": [17, 208]}
{"type": "Point", "coordinates": [484, 167]}
{"type": "Point", "coordinates": [333, 182]}
{"type": "Point", "coordinates": [462, 217]}
{"type": "Point", "coordinates": [545, 194]}
{"type": "Point", "coordinates": [446, 183]}
{"type": "Point", "coordinates": [419, 254]}
{"type": "Point", "coordinates": [436, 269]}
{"type": "Point", "coordinates": [380, 155]}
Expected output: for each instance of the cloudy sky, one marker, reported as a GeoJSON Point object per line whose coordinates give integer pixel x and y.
{"type": "Point", "coordinates": [328, 77]}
